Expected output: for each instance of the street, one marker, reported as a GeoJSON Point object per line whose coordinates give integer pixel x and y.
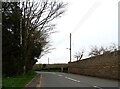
{"type": "Point", "coordinates": [58, 79]}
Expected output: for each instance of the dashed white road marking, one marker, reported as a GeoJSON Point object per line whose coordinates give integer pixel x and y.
{"type": "Point", "coordinates": [60, 75]}
{"type": "Point", "coordinates": [53, 73]}
{"type": "Point", "coordinates": [97, 87]}
{"type": "Point", "coordinates": [94, 86]}
{"type": "Point", "coordinates": [79, 81]}
{"type": "Point", "coordinates": [72, 79]}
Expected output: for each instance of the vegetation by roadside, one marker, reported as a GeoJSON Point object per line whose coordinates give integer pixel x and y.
{"type": "Point", "coordinates": [49, 71]}
{"type": "Point", "coordinates": [18, 81]}
{"type": "Point", "coordinates": [52, 69]}
{"type": "Point", "coordinates": [26, 31]}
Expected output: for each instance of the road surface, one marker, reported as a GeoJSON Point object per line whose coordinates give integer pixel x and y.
{"type": "Point", "coordinates": [59, 79]}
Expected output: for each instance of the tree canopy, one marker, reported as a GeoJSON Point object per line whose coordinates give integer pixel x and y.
{"type": "Point", "coordinates": [26, 27]}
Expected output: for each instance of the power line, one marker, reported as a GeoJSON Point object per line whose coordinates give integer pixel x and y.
{"type": "Point", "coordinates": [62, 40]}
{"type": "Point", "coordinates": [82, 21]}
{"type": "Point", "coordinates": [87, 15]}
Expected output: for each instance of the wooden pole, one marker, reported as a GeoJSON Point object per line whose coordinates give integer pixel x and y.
{"type": "Point", "coordinates": [48, 60]}
{"type": "Point", "coordinates": [70, 47]}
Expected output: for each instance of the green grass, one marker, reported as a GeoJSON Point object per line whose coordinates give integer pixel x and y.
{"type": "Point", "coordinates": [18, 81]}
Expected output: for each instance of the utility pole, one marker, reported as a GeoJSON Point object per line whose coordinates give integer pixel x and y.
{"type": "Point", "coordinates": [48, 60]}
{"type": "Point", "coordinates": [70, 47]}
{"type": "Point", "coordinates": [70, 55]}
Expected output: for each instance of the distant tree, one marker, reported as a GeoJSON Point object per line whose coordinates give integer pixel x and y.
{"type": "Point", "coordinates": [101, 50]}
{"type": "Point", "coordinates": [97, 51]}
{"type": "Point", "coordinates": [79, 54]}
{"type": "Point", "coordinates": [113, 47]}
{"type": "Point", "coordinates": [44, 65]}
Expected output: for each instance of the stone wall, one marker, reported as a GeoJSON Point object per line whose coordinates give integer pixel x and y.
{"type": "Point", "coordinates": [106, 66]}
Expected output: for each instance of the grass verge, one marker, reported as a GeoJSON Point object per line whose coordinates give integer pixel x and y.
{"type": "Point", "coordinates": [18, 81]}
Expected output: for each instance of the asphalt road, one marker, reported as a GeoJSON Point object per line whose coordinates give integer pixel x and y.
{"type": "Point", "coordinates": [58, 79]}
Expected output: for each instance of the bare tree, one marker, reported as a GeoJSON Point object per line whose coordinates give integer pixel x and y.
{"type": "Point", "coordinates": [97, 51]}
{"type": "Point", "coordinates": [37, 26]}
{"type": "Point", "coordinates": [38, 17]}
{"type": "Point", "coordinates": [79, 54]}
{"type": "Point", "coordinates": [101, 50]}
{"type": "Point", "coordinates": [94, 51]}
{"type": "Point", "coordinates": [113, 47]}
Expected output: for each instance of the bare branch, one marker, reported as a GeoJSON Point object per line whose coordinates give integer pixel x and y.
{"type": "Point", "coordinates": [38, 21]}
{"type": "Point", "coordinates": [79, 54]}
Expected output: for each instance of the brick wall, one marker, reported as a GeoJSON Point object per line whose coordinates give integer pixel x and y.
{"type": "Point", "coordinates": [106, 66]}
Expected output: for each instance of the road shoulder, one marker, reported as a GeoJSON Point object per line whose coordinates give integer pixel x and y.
{"type": "Point", "coordinates": [35, 82]}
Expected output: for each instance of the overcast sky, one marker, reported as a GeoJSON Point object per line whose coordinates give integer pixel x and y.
{"type": "Point", "coordinates": [91, 22]}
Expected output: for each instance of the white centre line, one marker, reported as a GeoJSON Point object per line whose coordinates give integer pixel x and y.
{"type": "Point", "coordinates": [59, 75]}
{"type": "Point", "coordinates": [97, 87]}
{"type": "Point", "coordinates": [72, 79]}
{"type": "Point", "coordinates": [94, 86]}
{"type": "Point", "coordinates": [53, 73]}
